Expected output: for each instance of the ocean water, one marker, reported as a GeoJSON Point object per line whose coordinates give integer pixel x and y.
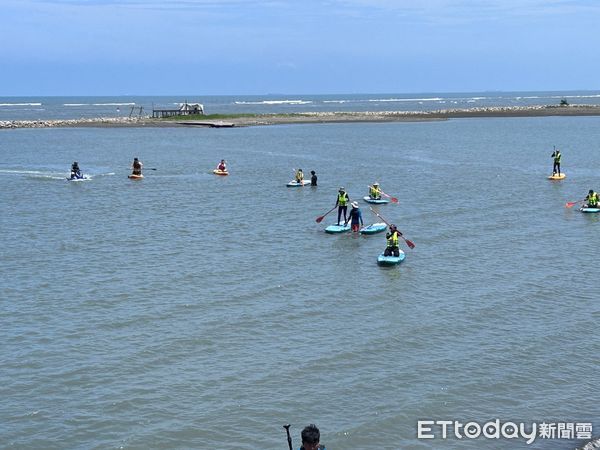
{"type": "Point", "coordinates": [193, 311]}
{"type": "Point", "coordinates": [44, 108]}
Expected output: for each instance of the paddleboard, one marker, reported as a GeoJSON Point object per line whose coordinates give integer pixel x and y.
{"type": "Point", "coordinates": [333, 229]}
{"type": "Point", "coordinates": [373, 228]}
{"type": "Point", "coordinates": [557, 176]}
{"type": "Point", "coordinates": [220, 172]}
{"type": "Point", "coordinates": [135, 177]}
{"type": "Point", "coordinates": [378, 201]}
{"type": "Point", "coordinates": [83, 178]}
{"type": "Point", "coordinates": [294, 183]}
{"type": "Point", "coordinates": [391, 260]}
{"type": "Point", "coordinates": [589, 210]}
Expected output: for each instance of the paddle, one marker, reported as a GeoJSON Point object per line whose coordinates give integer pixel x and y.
{"type": "Point", "coordinates": [320, 218]}
{"type": "Point", "coordinates": [571, 204]}
{"type": "Point", "coordinates": [409, 243]}
{"type": "Point", "coordinates": [393, 199]}
{"type": "Point", "coordinates": [289, 438]}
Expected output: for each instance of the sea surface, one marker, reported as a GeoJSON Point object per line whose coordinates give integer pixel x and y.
{"type": "Point", "coordinates": [190, 311]}
{"type": "Point", "coordinates": [45, 108]}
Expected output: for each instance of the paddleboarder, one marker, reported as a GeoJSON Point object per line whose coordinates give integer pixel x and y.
{"type": "Point", "coordinates": [222, 166]}
{"type": "Point", "coordinates": [136, 167]}
{"type": "Point", "coordinates": [75, 171]}
{"type": "Point", "coordinates": [557, 157]}
{"type": "Point", "coordinates": [313, 178]}
{"type": "Point", "coordinates": [374, 191]}
{"type": "Point", "coordinates": [591, 199]}
{"type": "Point", "coordinates": [342, 203]}
{"type": "Point", "coordinates": [299, 176]}
{"type": "Point", "coordinates": [355, 216]}
{"type": "Point", "coordinates": [311, 437]}
{"type": "Point", "coordinates": [392, 242]}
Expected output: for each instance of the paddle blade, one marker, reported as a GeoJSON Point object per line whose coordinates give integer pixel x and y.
{"type": "Point", "coordinates": [409, 243]}
{"type": "Point", "coordinates": [570, 204]}
{"type": "Point", "coordinates": [320, 219]}
{"type": "Point", "coordinates": [394, 200]}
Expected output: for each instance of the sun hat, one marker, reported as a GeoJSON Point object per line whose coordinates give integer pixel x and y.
{"type": "Point", "coordinates": [354, 204]}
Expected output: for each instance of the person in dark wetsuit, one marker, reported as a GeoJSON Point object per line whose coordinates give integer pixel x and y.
{"type": "Point", "coordinates": [136, 167]}
{"type": "Point", "coordinates": [355, 217]}
{"type": "Point", "coordinates": [313, 178]}
{"type": "Point", "coordinates": [342, 203]}
{"type": "Point", "coordinates": [75, 171]}
{"type": "Point", "coordinates": [311, 436]}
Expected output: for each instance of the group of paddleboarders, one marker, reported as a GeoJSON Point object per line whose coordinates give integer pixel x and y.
{"type": "Point", "coordinates": [356, 220]}
{"type": "Point", "coordinates": [76, 174]}
{"type": "Point", "coordinates": [591, 200]}
{"type": "Point", "coordinates": [299, 177]}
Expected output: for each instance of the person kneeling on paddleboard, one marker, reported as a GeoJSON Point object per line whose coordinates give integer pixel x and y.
{"type": "Point", "coordinates": [591, 199]}
{"type": "Point", "coordinates": [374, 191]}
{"type": "Point", "coordinates": [75, 171]}
{"type": "Point", "coordinates": [136, 167]}
{"type": "Point", "coordinates": [299, 176]}
{"type": "Point", "coordinates": [355, 216]}
{"type": "Point", "coordinates": [392, 242]}
{"type": "Point", "coordinates": [222, 166]}
{"type": "Point", "coordinates": [342, 203]}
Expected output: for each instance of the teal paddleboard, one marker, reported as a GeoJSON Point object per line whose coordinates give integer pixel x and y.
{"type": "Point", "coordinates": [589, 210]}
{"type": "Point", "coordinates": [294, 183]}
{"type": "Point", "coordinates": [334, 229]}
{"type": "Point", "coordinates": [373, 228]}
{"type": "Point", "coordinates": [377, 201]}
{"type": "Point", "coordinates": [390, 260]}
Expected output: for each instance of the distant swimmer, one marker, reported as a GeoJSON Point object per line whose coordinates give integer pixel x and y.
{"type": "Point", "coordinates": [342, 203]}
{"type": "Point", "coordinates": [557, 157]}
{"type": "Point", "coordinates": [591, 199]}
{"type": "Point", "coordinates": [313, 178]}
{"type": "Point", "coordinates": [136, 167]}
{"type": "Point", "coordinates": [299, 176]}
{"type": "Point", "coordinates": [76, 171]}
{"type": "Point", "coordinates": [374, 192]}
{"type": "Point", "coordinates": [222, 166]}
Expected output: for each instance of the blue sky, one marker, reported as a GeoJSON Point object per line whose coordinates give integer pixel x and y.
{"type": "Point", "coordinates": [163, 47]}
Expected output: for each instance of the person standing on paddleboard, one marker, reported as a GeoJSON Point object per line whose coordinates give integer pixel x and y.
{"type": "Point", "coordinates": [557, 157]}
{"type": "Point", "coordinates": [355, 216]}
{"type": "Point", "coordinates": [311, 437]}
{"type": "Point", "coordinates": [313, 178]}
{"type": "Point", "coordinates": [136, 167]}
{"type": "Point", "coordinates": [392, 242]}
{"type": "Point", "coordinates": [342, 203]}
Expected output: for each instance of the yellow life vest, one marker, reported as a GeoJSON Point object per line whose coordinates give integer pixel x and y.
{"type": "Point", "coordinates": [392, 240]}
{"type": "Point", "coordinates": [374, 192]}
{"type": "Point", "coordinates": [342, 199]}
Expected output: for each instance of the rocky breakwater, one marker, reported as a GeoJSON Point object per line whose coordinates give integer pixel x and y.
{"type": "Point", "coordinates": [83, 122]}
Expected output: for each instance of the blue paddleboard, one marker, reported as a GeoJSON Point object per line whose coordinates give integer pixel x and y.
{"type": "Point", "coordinates": [589, 210]}
{"type": "Point", "coordinates": [333, 229]}
{"type": "Point", "coordinates": [373, 228]}
{"type": "Point", "coordinates": [377, 201]}
{"type": "Point", "coordinates": [390, 260]}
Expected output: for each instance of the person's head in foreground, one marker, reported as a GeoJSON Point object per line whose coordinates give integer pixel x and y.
{"type": "Point", "coordinates": [310, 437]}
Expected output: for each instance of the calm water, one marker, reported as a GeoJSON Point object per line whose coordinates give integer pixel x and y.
{"type": "Point", "coordinates": [193, 311]}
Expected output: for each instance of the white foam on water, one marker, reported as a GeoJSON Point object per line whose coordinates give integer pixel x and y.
{"type": "Point", "coordinates": [20, 104]}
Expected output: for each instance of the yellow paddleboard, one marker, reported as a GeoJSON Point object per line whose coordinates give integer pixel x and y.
{"type": "Point", "coordinates": [557, 176]}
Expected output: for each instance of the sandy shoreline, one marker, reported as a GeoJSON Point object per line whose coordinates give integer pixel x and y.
{"type": "Point", "coordinates": [320, 117]}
